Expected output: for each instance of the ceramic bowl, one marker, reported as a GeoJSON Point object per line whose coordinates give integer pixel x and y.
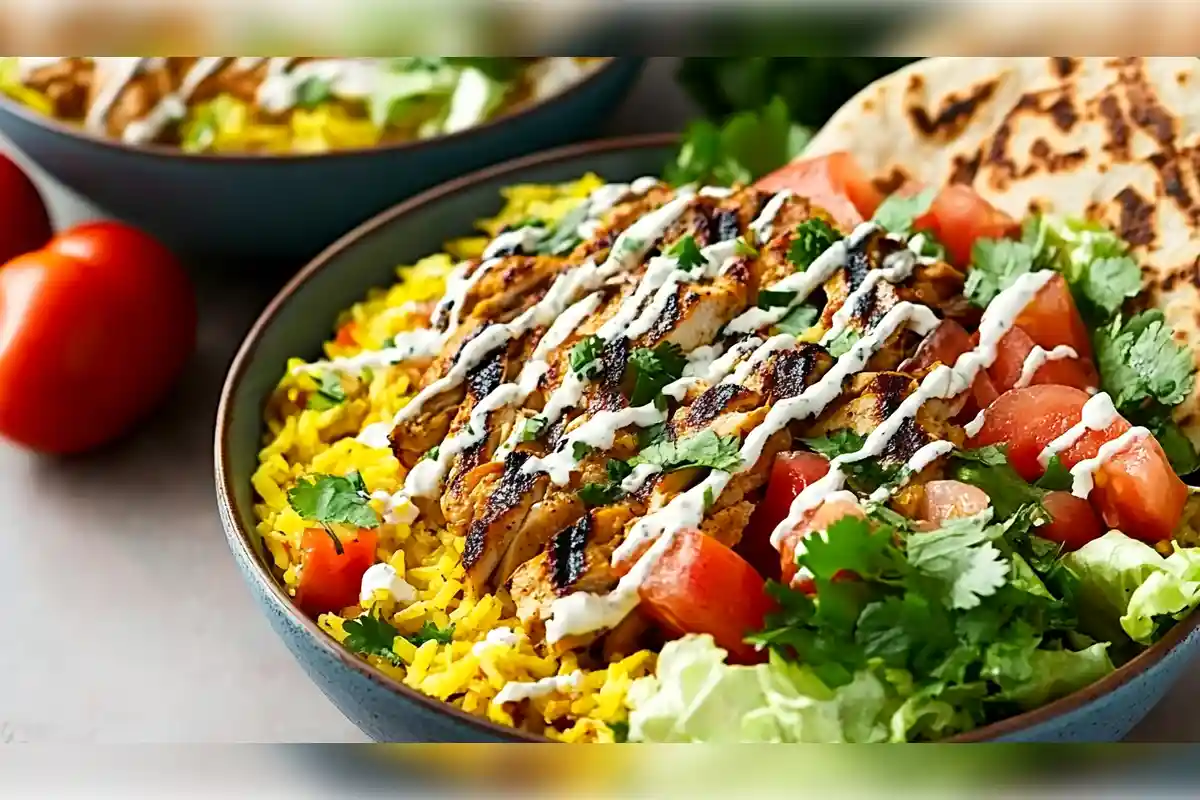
{"type": "Point", "coordinates": [281, 208]}
{"type": "Point", "coordinates": [299, 319]}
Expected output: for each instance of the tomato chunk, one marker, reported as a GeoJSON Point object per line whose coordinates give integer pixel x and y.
{"type": "Point", "coordinates": [701, 586]}
{"type": "Point", "coordinates": [958, 216]}
{"type": "Point", "coordinates": [345, 334]}
{"type": "Point", "coordinates": [790, 473]}
{"type": "Point", "coordinates": [1014, 350]}
{"type": "Point", "coordinates": [1073, 522]}
{"type": "Point", "coordinates": [948, 341]}
{"type": "Point", "coordinates": [834, 182]}
{"type": "Point", "coordinates": [819, 519]}
{"type": "Point", "coordinates": [331, 581]}
{"type": "Point", "coordinates": [1136, 491]}
{"type": "Point", "coordinates": [1051, 319]}
{"type": "Point", "coordinates": [945, 500]}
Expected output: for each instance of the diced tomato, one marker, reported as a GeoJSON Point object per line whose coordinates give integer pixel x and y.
{"type": "Point", "coordinates": [701, 586]}
{"type": "Point", "coordinates": [834, 182]}
{"type": "Point", "coordinates": [790, 473]}
{"type": "Point", "coordinates": [819, 519]}
{"type": "Point", "coordinates": [1073, 524]}
{"type": "Point", "coordinates": [330, 581]}
{"type": "Point", "coordinates": [345, 334]}
{"type": "Point", "coordinates": [1135, 491]}
{"type": "Point", "coordinates": [1051, 319]}
{"type": "Point", "coordinates": [958, 216]}
{"type": "Point", "coordinates": [944, 500]}
{"type": "Point", "coordinates": [1012, 353]}
{"type": "Point", "coordinates": [948, 341]}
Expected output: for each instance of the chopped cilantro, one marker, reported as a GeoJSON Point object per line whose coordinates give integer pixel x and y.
{"type": "Point", "coordinates": [653, 434]}
{"type": "Point", "coordinates": [370, 635]}
{"type": "Point", "coordinates": [432, 453]}
{"type": "Point", "coordinates": [844, 342]}
{"type": "Point", "coordinates": [1057, 478]}
{"type": "Point", "coordinates": [585, 357]}
{"type": "Point", "coordinates": [798, 320]}
{"type": "Point", "coordinates": [580, 450]}
{"type": "Point", "coordinates": [313, 91]}
{"type": "Point", "coordinates": [687, 253]}
{"type": "Point", "coordinates": [620, 731]}
{"type": "Point", "coordinates": [1108, 282]}
{"type": "Point", "coordinates": [603, 494]}
{"type": "Point", "coordinates": [533, 428]}
{"type": "Point", "coordinates": [989, 470]}
{"type": "Point", "coordinates": [836, 443]}
{"type": "Point", "coordinates": [961, 553]}
{"type": "Point", "coordinates": [810, 239]}
{"type": "Point", "coordinates": [388, 342]}
{"type": "Point", "coordinates": [330, 393]}
{"type": "Point", "coordinates": [897, 213]}
{"type": "Point", "coordinates": [863, 476]}
{"type": "Point", "coordinates": [565, 236]}
{"type": "Point", "coordinates": [770, 299]}
{"type": "Point", "coordinates": [432, 633]}
{"type": "Point", "coordinates": [995, 264]}
{"type": "Point", "coordinates": [745, 147]}
{"type": "Point", "coordinates": [743, 248]}
{"type": "Point", "coordinates": [709, 498]}
{"type": "Point", "coordinates": [704, 449]}
{"type": "Point", "coordinates": [654, 369]}
{"type": "Point", "coordinates": [1139, 360]}
{"type": "Point", "coordinates": [330, 499]}
{"type": "Point", "coordinates": [1175, 443]}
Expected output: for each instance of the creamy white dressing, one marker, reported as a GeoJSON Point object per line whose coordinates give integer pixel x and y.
{"type": "Point", "coordinates": [637, 479]}
{"type": "Point", "coordinates": [516, 691]}
{"type": "Point", "coordinates": [764, 222]}
{"type": "Point", "coordinates": [421, 343]}
{"type": "Point", "coordinates": [699, 362]}
{"type": "Point", "coordinates": [171, 107]}
{"type": "Point", "coordinates": [719, 192]}
{"type": "Point", "coordinates": [921, 459]}
{"type": "Point", "coordinates": [377, 434]}
{"type": "Point", "coordinates": [383, 577]}
{"type": "Point", "coordinates": [521, 240]}
{"type": "Point", "coordinates": [1083, 474]}
{"type": "Point", "coordinates": [896, 268]}
{"type": "Point", "coordinates": [496, 637]}
{"type": "Point", "coordinates": [973, 427]}
{"type": "Point", "coordinates": [1039, 357]}
{"type": "Point", "coordinates": [347, 78]}
{"type": "Point", "coordinates": [112, 73]}
{"type": "Point", "coordinates": [761, 353]}
{"type": "Point", "coordinates": [599, 432]}
{"type": "Point", "coordinates": [1097, 414]}
{"type": "Point", "coordinates": [398, 508]}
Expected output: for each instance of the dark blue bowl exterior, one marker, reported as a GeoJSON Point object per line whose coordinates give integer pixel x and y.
{"type": "Point", "coordinates": [299, 325]}
{"type": "Point", "coordinates": [289, 208]}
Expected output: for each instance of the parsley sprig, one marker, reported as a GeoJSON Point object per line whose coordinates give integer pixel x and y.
{"type": "Point", "coordinates": [863, 476]}
{"type": "Point", "coordinates": [610, 491]}
{"type": "Point", "coordinates": [330, 392]}
{"type": "Point", "coordinates": [585, 357]}
{"type": "Point", "coordinates": [374, 636]}
{"type": "Point", "coordinates": [332, 499]}
{"type": "Point", "coordinates": [687, 253]}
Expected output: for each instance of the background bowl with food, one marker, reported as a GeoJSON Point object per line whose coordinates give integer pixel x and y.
{"type": "Point", "coordinates": [271, 158]}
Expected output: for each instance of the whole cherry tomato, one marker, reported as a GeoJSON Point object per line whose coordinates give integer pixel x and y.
{"type": "Point", "coordinates": [24, 223]}
{"type": "Point", "coordinates": [95, 328]}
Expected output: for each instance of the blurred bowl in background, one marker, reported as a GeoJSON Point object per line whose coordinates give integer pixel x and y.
{"type": "Point", "coordinates": [287, 207]}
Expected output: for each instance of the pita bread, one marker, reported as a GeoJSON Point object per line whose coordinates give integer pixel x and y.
{"type": "Point", "coordinates": [1112, 139]}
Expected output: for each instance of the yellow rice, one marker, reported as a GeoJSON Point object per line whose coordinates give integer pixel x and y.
{"type": "Point", "coordinates": [301, 441]}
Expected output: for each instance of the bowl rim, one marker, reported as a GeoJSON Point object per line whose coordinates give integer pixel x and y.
{"type": "Point", "coordinates": [239, 537]}
{"type": "Point", "coordinates": [56, 125]}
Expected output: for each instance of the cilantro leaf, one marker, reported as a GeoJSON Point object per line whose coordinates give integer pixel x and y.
{"type": "Point", "coordinates": [370, 635]}
{"type": "Point", "coordinates": [687, 253]}
{"type": "Point", "coordinates": [313, 91]}
{"type": "Point", "coordinates": [1139, 360]}
{"type": "Point", "coordinates": [836, 443]}
{"type": "Point", "coordinates": [533, 428]}
{"type": "Point", "coordinates": [704, 449]}
{"type": "Point", "coordinates": [565, 236]}
{"type": "Point", "coordinates": [594, 495]}
{"type": "Point", "coordinates": [770, 299]}
{"type": "Point", "coordinates": [581, 450]}
{"type": "Point", "coordinates": [1007, 490]}
{"type": "Point", "coordinates": [897, 213]}
{"type": "Point", "coordinates": [654, 369]}
{"type": "Point", "coordinates": [585, 357]}
{"type": "Point", "coordinates": [432, 633]}
{"type": "Point", "coordinates": [961, 554]}
{"type": "Point", "coordinates": [743, 248]}
{"type": "Point", "coordinates": [1175, 443]}
{"type": "Point", "coordinates": [620, 731]}
{"type": "Point", "coordinates": [432, 453]}
{"type": "Point", "coordinates": [798, 320]}
{"type": "Point", "coordinates": [330, 393]}
{"type": "Point", "coordinates": [810, 239]}
{"type": "Point", "coordinates": [745, 147]}
{"type": "Point", "coordinates": [1108, 282]}
{"type": "Point", "coordinates": [995, 264]}
{"type": "Point", "coordinates": [333, 499]}
{"type": "Point", "coordinates": [844, 342]}
{"type": "Point", "coordinates": [1056, 478]}
{"type": "Point", "coordinates": [863, 476]}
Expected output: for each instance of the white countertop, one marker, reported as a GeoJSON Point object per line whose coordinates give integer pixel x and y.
{"type": "Point", "coordinates": [124, 615]}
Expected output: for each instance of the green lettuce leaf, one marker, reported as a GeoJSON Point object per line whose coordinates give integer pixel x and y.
{"type": "Point", "coordinates": [1057, 673]}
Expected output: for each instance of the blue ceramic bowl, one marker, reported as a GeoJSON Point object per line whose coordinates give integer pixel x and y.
{"type": "Point", "coordinates": [288, 207]}
{"type": "Point", "coordinates": [299, 319]}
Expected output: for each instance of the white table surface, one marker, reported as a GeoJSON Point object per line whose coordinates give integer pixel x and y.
{"type": "Point", "coordinates": [124, 615]}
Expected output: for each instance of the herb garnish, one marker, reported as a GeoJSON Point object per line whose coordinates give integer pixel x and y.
{"type": "Point", "coordinates": [897, 213]}
{"type": "Point", "coordinates": [533, 428]}
{"type": "Point", "coordinates": [329, 393]}
{"type": "Point", "coordinates": [687, 253]}
{"type": "Point", "coordinates": [864, 476]}
{"type": "Point", "coordinates": [844, 342]}
{"type": "Point", "coordinates": [811, 238]}
{"type": "Point", "coordinates": [654, 369]}
{"type": "Point", "coordinates": [704, 449]}
{"type": "Point", "coordinates": [769, 299]}
{"type": "Point", "coordinates": [609, 492]}
{"type": "Point", "coordinates": [746, 146]}
{"type": "Point", "coordinates": [372, 635]}
{"type": "Point", "coordinates": [585, 357]}
{"type": "Point", "coordinates": [798, 320]}
{"type": "Point", "coordinates": [331, 499]}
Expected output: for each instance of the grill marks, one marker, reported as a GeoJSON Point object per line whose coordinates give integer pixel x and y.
{"type": "Point", "coordinates": [955, 113]}
{"type": "Point", "coordinates": [566, 555]}
{"type": "Point", "coordinates": [793, 370]}
{"type": "Point", "coordinates": [710, 404]}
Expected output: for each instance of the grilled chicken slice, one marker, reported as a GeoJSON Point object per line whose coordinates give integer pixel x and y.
{"type": "Point", "coordinates": [499, 502]}
{"type": "Point", "coordinates": [574, 561]}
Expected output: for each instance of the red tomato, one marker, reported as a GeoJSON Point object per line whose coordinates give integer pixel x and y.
{"type": "Point", "coordinates": [329, 581]}
{"type": "Point", "coordinates": [701, 586]}
{"type": "Point", "coordinates": [1136, 490]}
{"type": "Point", "coordinates": [790, 473]}
{"type": "Point", "coordinates": [944, 500]}
{"type": "Point", "coordinates": [819, 519]}
{"type": "Point", "coordinates": [1051, 319]}
{"type": "Point", "coordinates": [26, 225]}
{"type": "Point", "coordinates": [1073, 524]}
{"type": "Point", "coordinates": [948, 341]}
{"type": "Point", "coordinates": [345, 334]}
{"type": "Point", "coordinates": [958, 216]}
{"type": "Point", "coordinates": [1009, 365]}
{"type": "Point", "coordinates": [94, 330]}
{"type": "Point", "coordinates": [834, 182]}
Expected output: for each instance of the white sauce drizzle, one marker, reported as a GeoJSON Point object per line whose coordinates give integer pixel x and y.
{"type": "Point", "coordinates": [599, 432]}
{"type": "Point", "coordinates": [398, 508]}
{"type": "Point", "coordinates": [637, 479]}
{"type": "Point", "coordinates": [1097, 414]}
{"type": "Point", "coordinates": [496, 637]}
{"type": "Point", "coordinates": [418, 343]}
{"type": "Point", "coordinates": [521, 240]}
{"type": "Point", "coordinates": [516, 691]}
{"type": "Point", "coordinates": [973, 427]}
{"type": "Point", "coordinates": [1037, 358]}
{"type": "Point", "coordinates": [1083, 474]}
{"type": "Point", "coordinates": [383, 576]}
{"type": "Point", "coordinates": [762, 224]}
{"type": "Point", "coordinates": [901, 267]}
{"type": "Point", "coordinates": [921, 459]}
